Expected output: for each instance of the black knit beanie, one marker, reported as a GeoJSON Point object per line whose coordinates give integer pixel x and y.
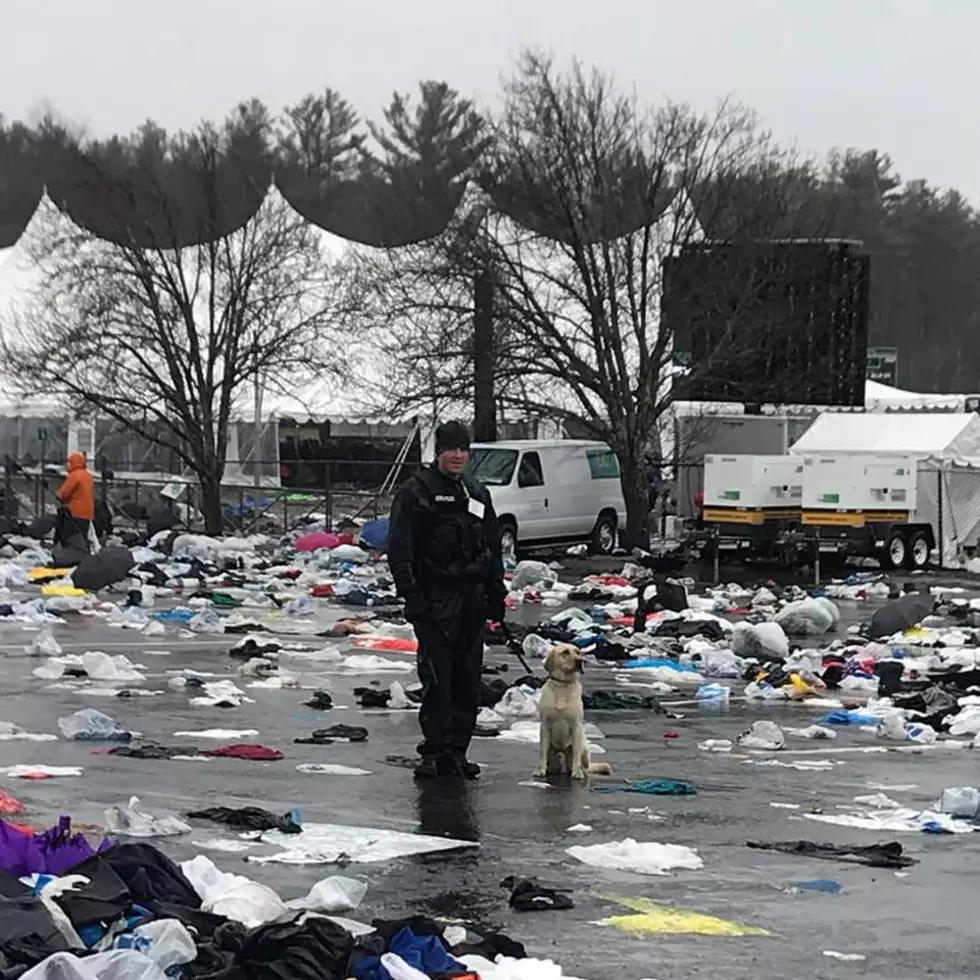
{"type": "Point", "coordinates": [451, 435]}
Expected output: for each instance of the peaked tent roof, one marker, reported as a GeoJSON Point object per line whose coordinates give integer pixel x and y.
{"type": "Point", "coordinates": [878, 396]}
{"type": "Point", "coordinates": [953, 436]}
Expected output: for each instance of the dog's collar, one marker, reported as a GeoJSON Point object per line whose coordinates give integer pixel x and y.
{"type": "Point", "coordinates": [560, 680]}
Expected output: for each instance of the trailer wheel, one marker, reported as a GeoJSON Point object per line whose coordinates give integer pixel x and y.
{"type": "Point", "coordinates": [896, 550]}
{"type": "Point", "coordinates": [918, 556]}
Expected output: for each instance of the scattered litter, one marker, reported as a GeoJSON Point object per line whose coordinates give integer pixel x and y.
{"type": "Point", "coordinates": [132, 821]}
{"type": "Point", "coordinates": [333, 894]}
{"type": "Point", "coordinates": [888, 855]}
{"type": "Point", "coordinates": [652, 787]}
{"type": "Point", "coordinates": [39, 772]}
{"type": "Point", "coordinates": [960, 801]}
{"type": "Point", "coordinates": [645, 858]}
{"type": "Point", "coordinates": [826, 885]}
{"type": "Point", "coordinates": [9, 732]}
{"type": "Point", "coordinates": [715, 745]}
{"type": "Point", "coordinates": [763, 735]}
{"type": "Point", "coordinates": [44, 645]}
{"type": "Point", "coordinates": [896, 820]}
{"type": "Point", "coordinates": [652, 919]}
{"type": "Point", "coordinates": [89, 725]}
{"type": "Point", "coordinates": [219, 733]}
{"type": "Point", "coordinates": [329, 769]}
{"type": "Point", "coordinates": [331, 843]}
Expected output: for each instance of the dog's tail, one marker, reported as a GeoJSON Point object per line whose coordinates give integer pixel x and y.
{"type": "Point", "coordinates": [600, 769]}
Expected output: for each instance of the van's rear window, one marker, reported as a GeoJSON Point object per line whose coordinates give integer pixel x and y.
{"type": "Point", "coordinates": [492, 467]}
{"type": "Point", "coordinates": [603, 464]}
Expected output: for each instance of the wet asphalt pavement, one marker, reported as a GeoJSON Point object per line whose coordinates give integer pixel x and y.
{"type": "Point", "coordinates": [922, 924]}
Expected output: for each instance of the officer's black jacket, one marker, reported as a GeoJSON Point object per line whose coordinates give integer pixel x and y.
{"type": "Point", "coordinates": [435, 540]}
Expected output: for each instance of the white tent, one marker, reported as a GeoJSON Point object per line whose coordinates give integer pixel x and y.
{"type": "Point", "coordinates": [950, 436]}
{"type": "Point", "coordinates": [877, 398]}
{"type": "Point", "coordinates": [884, 398]}
{"type": "Point", "coordinates": [946, 446]}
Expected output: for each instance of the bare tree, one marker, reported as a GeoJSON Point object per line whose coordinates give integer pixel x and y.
{"type": "Point", "coordinates": [164, 321]}
{"type": "Point", "coordinates": [587, 192]}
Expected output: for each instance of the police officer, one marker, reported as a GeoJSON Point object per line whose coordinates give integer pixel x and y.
{"type": "Point", "coordinates": [444, 554]}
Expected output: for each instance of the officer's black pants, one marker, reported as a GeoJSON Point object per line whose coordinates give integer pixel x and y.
{"type": "Point", "coordinates": [450, 662]}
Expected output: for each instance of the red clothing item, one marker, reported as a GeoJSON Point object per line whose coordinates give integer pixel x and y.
{"type": "Point", "coordinates": [77, 493]}
{"type": "Point", "coordinates": [242, 750]}
{"type": "Point", "coordinates": [10, 804]}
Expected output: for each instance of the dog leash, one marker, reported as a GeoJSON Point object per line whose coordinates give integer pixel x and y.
{"type": "Point", "coordinates": [514, 647]}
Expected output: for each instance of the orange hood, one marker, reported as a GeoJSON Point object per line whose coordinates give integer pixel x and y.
{"type": "Point", "coordinates": [77, 461]}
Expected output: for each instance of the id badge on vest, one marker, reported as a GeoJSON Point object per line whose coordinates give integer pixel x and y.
{"type": "Point", "coordinates": [476, 508]}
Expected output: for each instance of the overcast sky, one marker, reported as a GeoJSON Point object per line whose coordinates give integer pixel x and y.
{"type": "Point", "coordinates": [900, 76]}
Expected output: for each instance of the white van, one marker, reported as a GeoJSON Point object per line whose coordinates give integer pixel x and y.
{"type": "Point", "coordinates": [552, 491]}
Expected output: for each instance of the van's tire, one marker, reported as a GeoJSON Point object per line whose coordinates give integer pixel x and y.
{"type": "Point", "coordinates": [508, 538]}
{"type": "Point", "coordinates": [604, 535]}
{"type": "Point", "coordinates": [896, 550]}
{"type": "Point", "coordinates": [918, 555]}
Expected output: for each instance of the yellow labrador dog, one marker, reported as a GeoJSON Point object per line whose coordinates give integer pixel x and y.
{"type": "Point", "coordinates": [564, 750]}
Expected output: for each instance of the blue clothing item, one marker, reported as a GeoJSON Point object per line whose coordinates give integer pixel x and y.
{"type": "Point", "coordinates": [375, 534]}
{"type": "Point", "coordinates": [586, 640]}
{"type": "Point", "coordinates": [425, 953]}
{"type": "Point", "coordinates": [848, 718]}
{"type": "Point", "coordinates": [827, 885]}
{"type": "Point", "coordinates": [175, 615]}
{"type": "Point", "coordinates": [660, 662]}
{"type": "Point", "coordinates": [652, 787]}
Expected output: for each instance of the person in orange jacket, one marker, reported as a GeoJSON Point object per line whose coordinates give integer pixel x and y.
{"type": "Point", "coordinates": [77, 497]}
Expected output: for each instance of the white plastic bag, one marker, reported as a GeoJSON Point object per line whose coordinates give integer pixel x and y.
{"type": "Point", "coordinates": [763, 735]}
{"type": "Point", "coordinates": [171, 944]}
{"type": "Point", "coordinates": [721, 663]}
{"type": "Point", "coordinates": [536, 647]}
{"type": "Point", "coordinates": [808, 617]}
{"type": "Point", "coordinates": [220, 694]}
{"type": "Point", "coordinates": [333, 894]}
{"type": "Point", "coordinates": [132, 821]}
{"type": "Point", "coordinates": [101, 667]}
{"type": "Point", "coordinates": [300, 606]}
{"type": "Point", "coordinates": [44, 644]}
{"type": "Point", "coordinates": [398, 969]}
{"type": "Point", "coordinates": [640, 857]}
{"type": "Point", "coordinates": [533, 573]}
{"type": "Point", "coordinates": [399, 699]}
{"type": "Point", "coordinates": [206, 622]}
{"type": "Point", "coordinates": [759, 640]}
{"type": "Point", "coordinates": [517, 703]}
{"type": "Point", "coordinates": [892, 727]}
{"type": "Point", "coordinates": [960, 801]}
{"type": "Point", "coordinates": [232, 896]}
{"type": "Point", "coordinates": [713, 694]}
{"type": "Point", "coordinates": [90, 725]}
{"type": "Point", "coordinates": [116, 964]}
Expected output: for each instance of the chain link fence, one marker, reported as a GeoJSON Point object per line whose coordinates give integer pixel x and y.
{"type": "Point", "coordinates": [337, 491]}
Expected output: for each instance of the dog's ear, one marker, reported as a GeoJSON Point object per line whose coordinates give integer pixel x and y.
{"type": "Point", "coordinates": [549, 661]}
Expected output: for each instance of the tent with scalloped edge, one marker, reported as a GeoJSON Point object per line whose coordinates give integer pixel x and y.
{"type": "Point", "coordinates": [946, 448]}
